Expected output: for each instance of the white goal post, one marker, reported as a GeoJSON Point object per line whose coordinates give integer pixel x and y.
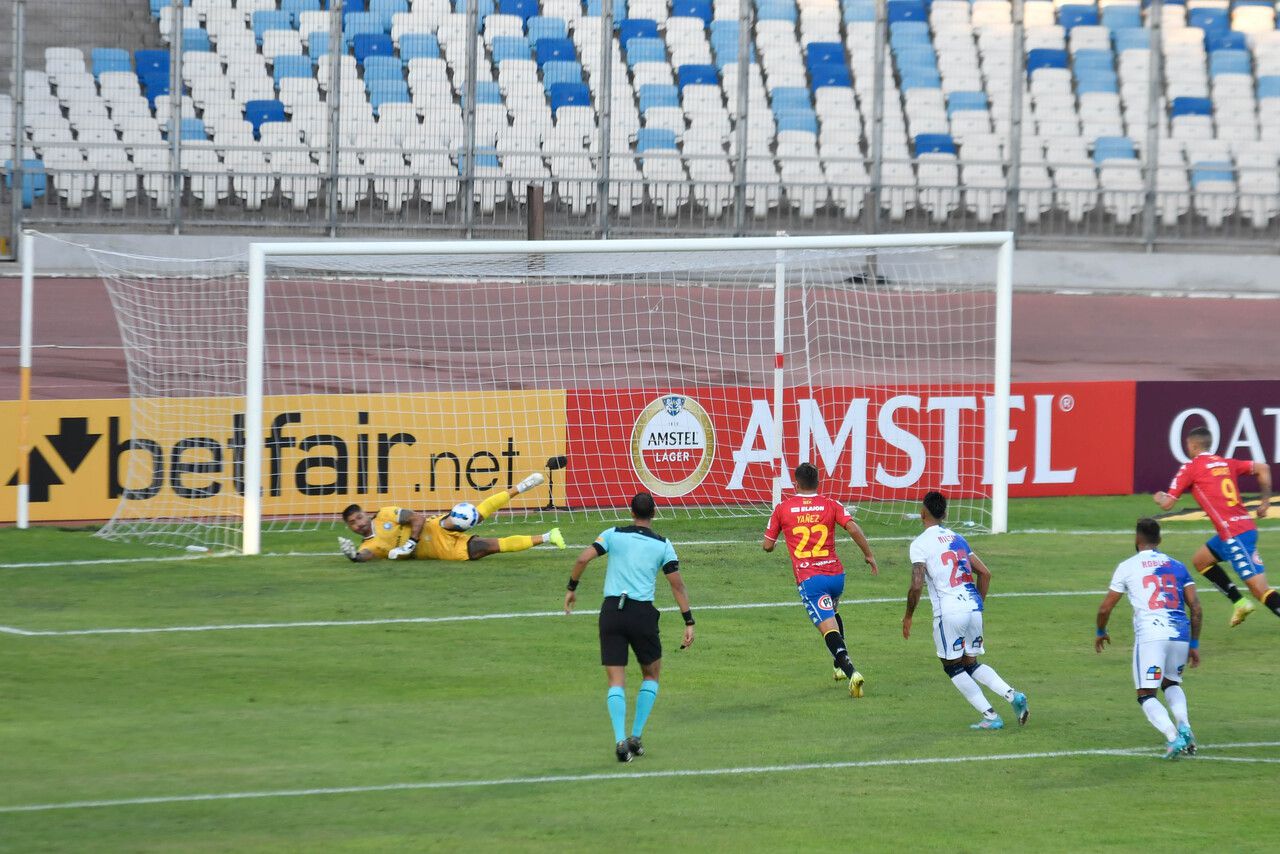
{"type": "Point", "coordinates": [987, 323]}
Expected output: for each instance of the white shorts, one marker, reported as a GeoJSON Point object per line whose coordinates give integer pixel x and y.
{"type": "Point", "coordinates": [958, 633]}
{"type": "Point", "coordinates": [1155, 661]}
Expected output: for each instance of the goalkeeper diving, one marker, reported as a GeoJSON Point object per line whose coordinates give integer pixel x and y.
{"type": "Point", "coordinates": [397, 534]}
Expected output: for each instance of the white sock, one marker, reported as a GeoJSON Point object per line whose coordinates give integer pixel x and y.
{"type": "Point", "coordinates": [546, 538]}
{"type": "Point", "coordinates": [985, 675]}
{"type": "Point", "coordinates": [1177, 700]}
{"type": "Point", "coordinates": [965, 685]}
{"type": "Point", "coordinates": [1159, 718]}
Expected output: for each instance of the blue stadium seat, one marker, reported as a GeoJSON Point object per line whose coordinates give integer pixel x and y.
{"type": "Point", "coordinates": [388, 92]}
{"type": "Point", "coordinates": [1122, 17]}
{"type": "Point", "coordinates": [318, 45]}
{"type": "Point", "coordinates": [359, 23]}
{"type": "Point", "coordinates": [1229, 62]}
{"type": "Point", "coordinates": [959, 101]}
{"type": "Point", "coordinates": [1113, 148]}
{"type": "Point", "coordinates": [270, 19]}
{"type": "Point", "coordinates": [154, 85]}
{"type": "Point", "coordinates": [257, 112]}
{"type": "Point", "coordinates": [1045, 57]}
{"type": "Point", "coordinates": [149, 62]}
{"type": "Point", "coordinates": [366, 45]}
{"type": "Point", "coordinates": [385, 9]}
{"type": "Point", "coordinates": [1230, 40]}
{"type": "Point", "coordinates": [526, 9]}
{"type": "Point", "coordinates": [637, 28]}
{"type": "Point", "coordinates": [484, 7]}
{"type": "Point", "coordinates": [646, 50]}
{"type": "Point", "coordinates": [1097, 81]}
{"type": "Point", "coordinates": [561, 72]}
{"type": "Point", "coordinates": [1186, 106]}
{"type": "Point", "coordinates": [192, 128]}
{"type": "Point", "coordinates": [1077, 16]}
{"type": "Point", "coordinates": [1269, 86]}
{"type": "Point", "coordinates": [1131, 39]}
{"type": "Point", "coordinates": [859, 11]}
{"type": "Point", "coordinates": [555, 50]}
{"type": "Point", "coordinates": [383, 68]}
{"type": "Point", "coordinates": [594, 8]}
{"type": "Point", "coordinates": [692, 9]}
{"type": "Point", "coordinates": [786, 98]}
{"type": "Point", "coordinates": [420, 46]}
{"type": "Point", "coordinates": [823, 53]}
{"type": "Point", "coordinates": [1212, 170]}
{"type": "Point", "coordinates": [831, 74]}
{"type": "Point", "coordinates": [655, 139]}
{"type": "Point", "coordinates": [486, 158]}
{"type": "Point", "coordinates": [110, 59]}
{"type": "Point", "coordinates": [920, 78]}
{"type": "Point", "coordinates": [776, 10]}
{"type": "Point", "coordinates": [35, 182]}
{"type": "Point", "coordinates": [1209, 20]}
{"type": "Point", "coordinates": [539, 27]}
{"type": "Point", "coordinates": [1093, 60]}
{"type": "Point", "coordinates": [801, 120]}
{"type": "Point", "coordinates": [487, 92]}
{"type": "Point", "coordinates": [934, 143]}
{"type": "Point", "coordinates": [287, 65]}
{"type": "Point", "coordinates": [658, 95]}
{"type": "Point", "coordinates": [510, 47]}
{"type": "Point", "coordinates": [909, 34]}
{"type": "Point", "coordinates": [569, 95]}
{"type": "Point", "coordinates": [907, 10]}
{"type": "Point", "coordinates": [916, 56]}
{"type": "Point", "coordinates": [297, 7]}
{"type": "Point", "coordinates": [697, 75]}
{"type": "Point", "coordinates": [195, 39]}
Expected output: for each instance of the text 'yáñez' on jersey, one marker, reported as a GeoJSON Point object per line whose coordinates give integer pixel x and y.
{"type": "Point", "coordinates": [809, 523]}
{"type": "Point", "coordinates": [1154, 583]}
{"type": "Point", "coordinates": [636, 553]}
{"type": "Point", "coordinates": [947, 573]}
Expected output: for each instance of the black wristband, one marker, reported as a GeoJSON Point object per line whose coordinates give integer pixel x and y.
{"type": "Point", "coordinates": [688, 617]}
{"type": "Point", "coordinates": [573, 583]}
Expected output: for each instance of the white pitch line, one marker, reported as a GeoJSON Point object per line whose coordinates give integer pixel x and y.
{"type": "Point", "coordinates": [606, 777]}
{"type": "Point", "coordinates": [458, 618]}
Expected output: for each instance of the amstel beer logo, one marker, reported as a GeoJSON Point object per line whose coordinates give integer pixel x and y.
{"type": "Point", "coordinates": [673, 445]}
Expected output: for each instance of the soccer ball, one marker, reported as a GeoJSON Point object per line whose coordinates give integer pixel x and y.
{"type": "Point", "coordinates": [464, 515]}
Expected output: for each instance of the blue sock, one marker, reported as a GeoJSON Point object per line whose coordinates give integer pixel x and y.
{"type": "Point", "coordinates": [617, 702]}
{"type": "Point", "coordinates": [644, 705]}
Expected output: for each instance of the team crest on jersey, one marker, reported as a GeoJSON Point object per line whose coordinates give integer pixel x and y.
{"type": "Point", "coordinates": [673, 445]}
{"type": "Point", "coordinates": [387, 526]}
{"type": "Point", "coordinates": [1154, 673]}
{"type": "Point", "coordinates": [825, 603]}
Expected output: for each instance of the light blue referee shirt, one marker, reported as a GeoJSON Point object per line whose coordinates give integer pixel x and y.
{"type": "Point", "coordinates": [635, 555]}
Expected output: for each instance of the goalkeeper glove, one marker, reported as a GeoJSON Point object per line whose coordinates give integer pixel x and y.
{"type": "Point", "coordinates": [348, 548]}
{"type": "Point", "coordinates": [403, 550]}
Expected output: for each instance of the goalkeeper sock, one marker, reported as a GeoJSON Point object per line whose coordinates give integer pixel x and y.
{"type": "Point", "coordinates": [493, 504]}
{"type": "Point", "coordinates": [1218, 576]}
{"type": "Point", "coordinates": [616, 700]}
{"type": "Point", "coordinates": [644, 705]}
{"type": "Point", "coordinates": [515, 543]}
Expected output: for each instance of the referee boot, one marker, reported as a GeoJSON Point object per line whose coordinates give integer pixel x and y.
{"type": "Point", "coordinates": [634, 745]}
{"type": "Point", "coordinates": [623, 749]}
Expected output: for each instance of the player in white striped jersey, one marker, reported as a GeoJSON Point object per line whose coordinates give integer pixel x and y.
{"type": "Point", "coordinates": [1164, 638]}
{"type": "Point", "coordinates": [942, 558]}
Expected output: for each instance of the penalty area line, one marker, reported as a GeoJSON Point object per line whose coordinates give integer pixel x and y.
{"type": "Point", "coordinates": [458, 618]}
{"type": "Point", "coordinates": [429, 785]}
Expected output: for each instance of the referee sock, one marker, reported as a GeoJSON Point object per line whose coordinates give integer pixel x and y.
{"type": "Point", "coordinates": [644, 705]}
{"type": "Point", "coordinates": [515, 543]}
{"type": "Point", "coordinates": [493, 504]}
{"type": "Point", "coordinates": [835, 643]}
{"type": "Point", "coordinates": [1272, 601]}
{"type": "Point", "coordinates": [1218, 576]}
{"type": "Point", "coordinates": [616, 700]}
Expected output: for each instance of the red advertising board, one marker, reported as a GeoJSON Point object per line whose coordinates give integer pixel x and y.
{"type": "Point", "coordinates": [713, 445]}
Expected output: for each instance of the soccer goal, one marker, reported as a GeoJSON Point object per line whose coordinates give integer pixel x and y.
{"type": "Point", "coordinates": [425, 373]}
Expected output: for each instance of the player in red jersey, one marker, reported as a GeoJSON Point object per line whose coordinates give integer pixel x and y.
{"type": "Point", "coordinates": [808, 521]}
{"type": "Point", "coordinates": [1212, 481]}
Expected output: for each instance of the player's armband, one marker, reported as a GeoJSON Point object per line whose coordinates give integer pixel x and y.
{"type": "Point", "coordinates": [670, 567]}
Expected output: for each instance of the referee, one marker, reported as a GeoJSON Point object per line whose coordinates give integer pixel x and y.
{"type": "Point", "coordinates": [628, 617]}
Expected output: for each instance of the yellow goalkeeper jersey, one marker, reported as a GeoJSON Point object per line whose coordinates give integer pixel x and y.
{"type": "Point", "coordinates": [436, 542]}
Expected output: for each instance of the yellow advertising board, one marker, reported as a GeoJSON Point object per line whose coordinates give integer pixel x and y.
{"type": "Point", "coordinates": [185, 456]}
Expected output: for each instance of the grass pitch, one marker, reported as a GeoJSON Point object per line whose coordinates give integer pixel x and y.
{"type": "Point", "coordinates": [489, 734]}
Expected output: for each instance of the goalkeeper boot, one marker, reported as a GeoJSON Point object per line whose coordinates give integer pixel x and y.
{"type": "Point", "coordinates": [623, 751]}
{"type": "Point", "coordinates": [528, 483]}
{"type": "Point", "coordinates": [1172, 749]}
{"type": "Point", "coordinates": [555, 538]}
{"type": "Point", "coordinates": [1241, 612]}
{"type": "Point", "coordinates": [989, 724]}
{"type": "Point", "coordinates": [855, 684]}
{"type": "Point", "coordinates": [1020, 707]}
{"type": "Point", "coordinates": [635, 746]}
{"type": "Point", "coordinates": [838, 675]}
{"type": "Point", "coordinates": [1184, 733]}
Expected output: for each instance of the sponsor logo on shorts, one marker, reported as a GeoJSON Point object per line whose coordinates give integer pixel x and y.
{"type": "Point", "coordinates": [1180, 666]}
{"type": "Point", "coordinates": [1154, 673]}
{"type": "Point", "coordinates": [958, 643]}
{"type": "Point", "coordinates": [825, 603]}
{"type": "Point", "coordinates": [977, 641]}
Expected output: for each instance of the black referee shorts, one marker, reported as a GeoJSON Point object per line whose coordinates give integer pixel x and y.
{"type": "Point", "coordinates": [635, 625]}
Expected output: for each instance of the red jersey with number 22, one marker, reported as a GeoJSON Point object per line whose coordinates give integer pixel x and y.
{"type": "Point", "coordinates": [809, 522]}
{"type": "Point", "coordinates": [1212, 480]}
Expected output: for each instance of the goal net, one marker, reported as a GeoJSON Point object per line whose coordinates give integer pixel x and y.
{"type": "Point", "coordinates": [422, 374]}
